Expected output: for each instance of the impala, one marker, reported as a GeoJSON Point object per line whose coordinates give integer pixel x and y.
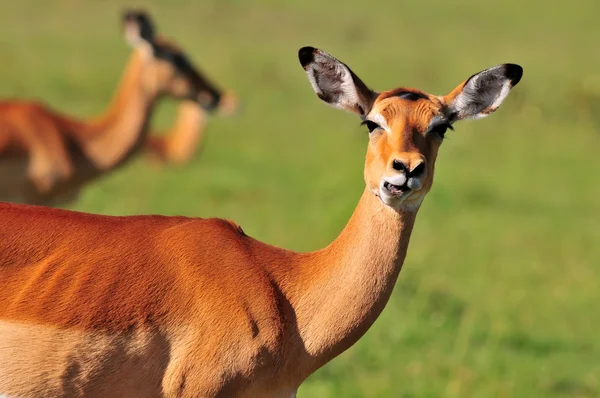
{"type": "Point", "coordinates": [150, 306]}
{"type": "Point", "coordinates": [45, 156]}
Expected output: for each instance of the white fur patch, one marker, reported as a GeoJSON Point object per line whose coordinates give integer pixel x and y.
{"type": "Point", "coordinates": [397, 179]}
{"type": "Point", "coordinates": [380, 120]}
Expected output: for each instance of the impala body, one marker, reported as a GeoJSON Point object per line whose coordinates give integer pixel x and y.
{"type": "Point", "coordinates": [45, 156]}
{"type": "Point", "coordinates": [152, 306]}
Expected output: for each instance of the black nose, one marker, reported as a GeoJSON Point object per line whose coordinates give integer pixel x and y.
{"type": "Point", "coordinates": [418, 170]}
{"type": "Point", "coordinates": [398, 165]}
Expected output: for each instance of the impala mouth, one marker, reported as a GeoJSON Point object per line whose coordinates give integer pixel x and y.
{"type": "Point", "coordinates": [395, 189]}
{"type": "Point", "coordinates": [399, 192]}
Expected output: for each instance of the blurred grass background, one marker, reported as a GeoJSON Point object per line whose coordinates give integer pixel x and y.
{"type": "Point", "coordinates": [499, 294]}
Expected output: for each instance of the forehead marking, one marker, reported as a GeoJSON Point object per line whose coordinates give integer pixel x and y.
{"type": "Point", "coordinates": [411, 95]}
{"type": "Point", "coordinates": [407, 94]}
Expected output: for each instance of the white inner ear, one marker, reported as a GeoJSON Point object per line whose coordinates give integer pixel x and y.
{"type": "Point", "coordinates": [503, 93]}
{"type": "Point", "coordinates": [473, 96]}
{"type": "Point", "coordinates": [348, 87]}
{"type": "Point", "coordinates": [489, 97]}
{"type": "Point", "coordinates": [340, 87]}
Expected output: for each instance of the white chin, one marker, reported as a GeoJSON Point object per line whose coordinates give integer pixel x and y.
{"type": "Point", "coordinates": [392, 200]}
{"type": "Point", "coordinates": [405, 201]}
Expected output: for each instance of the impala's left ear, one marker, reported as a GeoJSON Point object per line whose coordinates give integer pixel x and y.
{"type": "Point", "coordinates": [482, 93]}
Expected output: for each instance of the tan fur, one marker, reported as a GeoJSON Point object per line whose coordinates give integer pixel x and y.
{"type": "Point", "coordinates": [184, 307]}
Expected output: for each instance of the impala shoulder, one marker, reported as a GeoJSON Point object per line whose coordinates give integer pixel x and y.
{"type": "Point", "coordinates": [236, 228]}
{"type": "Point", "coordinates": [222, 227]}
{"type": "Point", "coordinates": [212, 234]}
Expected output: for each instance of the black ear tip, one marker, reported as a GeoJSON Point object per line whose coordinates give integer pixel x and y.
{"type": "Point", "coordinates": [142, 19]}
{"type": "Point", "coordinates": [514, 73]}
{"type": "Point", "coordinates": [138, 15]}
{"type": "Point", "coordinates": [306, 55]}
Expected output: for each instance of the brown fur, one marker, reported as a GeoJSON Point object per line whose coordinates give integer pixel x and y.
{"type": "Point", "coordinates": [187, 307]}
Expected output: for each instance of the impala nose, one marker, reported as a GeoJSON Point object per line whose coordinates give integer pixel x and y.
{"type": "Point", "coordinates": [398, 165]}
{"type": "Point", "coordinates": [415, 176]}
{"type": "Point", "coordinates": [417, 169]}
{"type": "Point", "coordinates": [409, 173]}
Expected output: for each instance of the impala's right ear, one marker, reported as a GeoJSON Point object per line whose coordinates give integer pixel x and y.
{"type": "Point", "coordinates": [335, 83]}
{"type": "Point", "coordinates": [481, 94]}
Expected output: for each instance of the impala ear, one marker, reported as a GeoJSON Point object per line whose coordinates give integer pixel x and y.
{"type": "Point", "coordinates": [483, 93]}
{"type": "Point", "coordinates": [138, 27]}
{"type": "Point", "coordinates": [335, 83]}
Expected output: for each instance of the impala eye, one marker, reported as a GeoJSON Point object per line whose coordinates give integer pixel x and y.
{"type": "Point", "coordinates": [371, 125]}
{"type": "Point", "coordinates": [440, 129]}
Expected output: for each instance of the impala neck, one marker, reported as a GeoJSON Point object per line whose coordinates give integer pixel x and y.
{"type": "Point", "coordinates": [191, 118]}
{"type": "Point", "coordinates": [108, 138]}
{"type": "Point", "coordinates": [353, 278]}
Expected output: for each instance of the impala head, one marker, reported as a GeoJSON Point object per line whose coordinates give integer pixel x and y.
{"type": "Point", "coordinates": [171, 72]}
{"type": "Point", "coordinates": [406, 126]}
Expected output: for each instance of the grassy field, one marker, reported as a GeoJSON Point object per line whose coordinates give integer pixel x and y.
{"type": "Point", "coordinates": [499, 295]}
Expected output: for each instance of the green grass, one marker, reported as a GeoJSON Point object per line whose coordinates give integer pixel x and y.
{"type": "Point", "coordinates": [499, 295]}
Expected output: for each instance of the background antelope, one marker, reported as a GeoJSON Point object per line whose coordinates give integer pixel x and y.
{"type": "Point", "coordinates": [45, 156]}
{"type": "Point", "coordinates": [175, 306]}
